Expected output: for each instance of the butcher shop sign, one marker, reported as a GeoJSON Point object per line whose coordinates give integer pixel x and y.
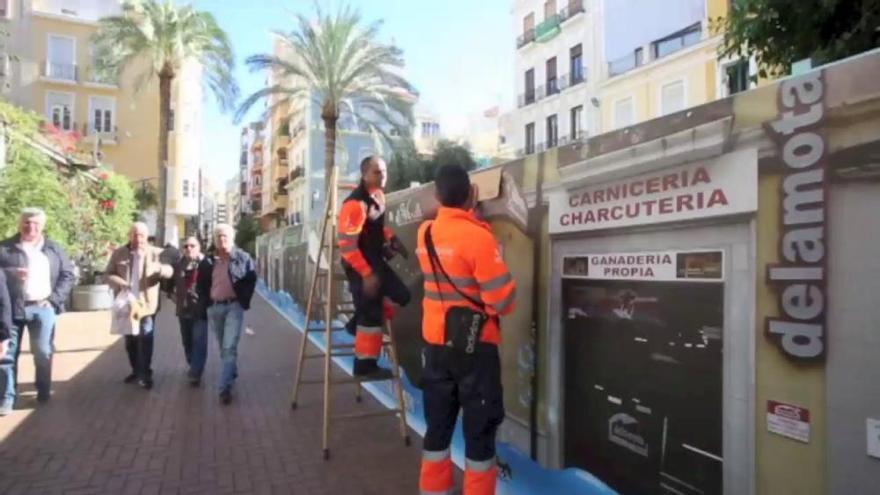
{"type": "Point", "coordinates": [727, 185]}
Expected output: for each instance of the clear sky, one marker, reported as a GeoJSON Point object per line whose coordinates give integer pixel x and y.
{"type": "Point", "coordinates": [459, 55]}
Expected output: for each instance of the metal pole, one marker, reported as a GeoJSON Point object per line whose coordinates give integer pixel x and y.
{"type": "Point", "coordinates": [328, 313]}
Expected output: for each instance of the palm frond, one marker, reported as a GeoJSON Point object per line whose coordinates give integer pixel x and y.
{"type": "Point", "coordinates": [166, 37]}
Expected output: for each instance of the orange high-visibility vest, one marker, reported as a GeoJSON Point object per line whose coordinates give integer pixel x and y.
{"type": "Point", "coordinates": [469, 253]}
{"type": "Point", "coordinates": [362, 230]}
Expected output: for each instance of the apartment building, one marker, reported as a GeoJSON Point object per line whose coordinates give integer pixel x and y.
{"type": "Point", "coordinates": [51, 73]}
{"type": "Point", "coordinates": [251, 168]}
{"type": "Point", "coordinates": [589, 66]}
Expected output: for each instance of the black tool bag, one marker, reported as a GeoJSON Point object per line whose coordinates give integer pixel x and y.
{"type": "Point", "coordinates": [464, 325]}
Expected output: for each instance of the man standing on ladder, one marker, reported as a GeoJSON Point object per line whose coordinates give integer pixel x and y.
{"type": "Point", "coordinates": [467, 287]}
{"type": "Point", "coordinates": [364, 245]}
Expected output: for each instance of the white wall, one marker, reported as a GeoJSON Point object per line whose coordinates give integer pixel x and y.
{"type": "Point", "coordinates": [578, 29]}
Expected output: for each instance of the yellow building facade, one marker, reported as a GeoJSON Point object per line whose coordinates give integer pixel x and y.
{"type": "Point", "coordinates": [672, 73]}
{"type": "Point", "coordinates": [51, 74]}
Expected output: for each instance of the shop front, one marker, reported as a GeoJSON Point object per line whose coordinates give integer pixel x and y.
{"type": "Point", "coordinates": [652, 288]}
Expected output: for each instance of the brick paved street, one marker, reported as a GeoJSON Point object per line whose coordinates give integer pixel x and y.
{"type": "Point", "coordinates": [99, 436]}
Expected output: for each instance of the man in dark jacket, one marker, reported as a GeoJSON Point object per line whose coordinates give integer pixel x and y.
{"type": "Point", "coordinates": [5, 329]}
{"type": "Point", "coordinates": [226, 283]}
{"type": "Point", "coordinates": [191, 314]}
{"type": "Point", "coordinates": [39, 278]}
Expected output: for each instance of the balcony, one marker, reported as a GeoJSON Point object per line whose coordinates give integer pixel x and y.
{"type": "Point", "coordinates": [104, 136]}
{"type": "Point", "coordinates": [626, 63]}
{"type": "Point", "coordinates": [284, 135]}
{"type": "Point", "coordinates": [281, 186]}
{"type": "Point", "coordinates": [554, 86]}
{"type": "Point", "coordinates": [60, 71]}
{"type": "Point", "coordinates": [677, 41]}
{"type": "Point", "coordinates": [526, 99]}
{"type": "Point", "coordinates": [296, 173]}
{"type": "Point", "coordinates": [573, 8]}
{"type": "Point", "coordinates": [524, 39]}
{"type": "Point", "coordinates": [101, 78]}
{"type": "Point", "coordinates": [548, 29]}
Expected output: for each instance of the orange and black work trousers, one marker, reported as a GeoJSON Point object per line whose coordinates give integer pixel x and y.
{"type": "Point", "coordinates": [473, 385]}
{"type": "Point", "coordinates": [368, 315]}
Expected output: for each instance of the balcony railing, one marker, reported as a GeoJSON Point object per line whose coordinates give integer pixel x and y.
{"type": "Point", "coordinates": [60, 71]}
{"type": "Point", "coordinates": [296, 173]}
{"type": "Point", "coordinates": [626, 63]}
{"type": "Point", "coordinates": [100, 77]}
{"type": "Point", "coordinates": [578, 77]}
{"type": "Point", "coordinates": [553, 86]}
{"type": "Point", "coordinates": [524, 39]}
{"type": "Point", "coordinates": [526, 99]}
{"type": "Point", "coordinates": [281, 183]}
{"type": "Point", "coordinates": [548, 28]}
{"type": "Point", "coordinates": [107, 136]}
{"type": "Point", "coordinates": [573, 8]}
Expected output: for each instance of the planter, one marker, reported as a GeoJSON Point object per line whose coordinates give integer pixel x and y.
{"type": "Point", "coordinates": [91, 297]}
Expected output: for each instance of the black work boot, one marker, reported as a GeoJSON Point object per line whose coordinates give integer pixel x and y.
{"type": "Point", "coordinates": [369, 370]}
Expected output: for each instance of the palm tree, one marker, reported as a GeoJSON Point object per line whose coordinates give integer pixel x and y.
{"type": "Point", "coordinates": [163, 37]}
{"type": "Point", "coordinates": [338, 64]}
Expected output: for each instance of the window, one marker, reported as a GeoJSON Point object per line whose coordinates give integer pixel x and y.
{"type": "Point", "coordinates": [4, 9]}
{"type": "Point", "coordinates": [576, 125]}
{"type": "Point", "coordinates": [624, 113]}
{"type": "Point", "coordinates": [4, 65]}
{"type": "Point", "coordinates": [737, 77]}
{"type": "Point", "coordinates": [677, 41]}
{"type": "Point", "coordinates": [171, 120]}
{"type": "Point", "coordinates": [530, 86]}
{"type": "Point", "coordinates": [552, 131]}
{"type": "Point", "coordinates": [549, 9]}
{"type": "Point", "coordinates": [552, 85]}
{"type": "Point", "coordinates": [59, 110]}
{"type": "Point", "coordinates": [672, 97]}
{"type": "Point", "coordinates": [61, 58]}
{"type": "Point", "coordinates": [530, 138]}
{"type": "Point", "coordinates": [576, 64]}
{"type": "Point", "coordinates": [101, 113]}
{"type": "Point", "coordinates": [529, 22]}
{"type": "Point", "coordinates": [186, 188]}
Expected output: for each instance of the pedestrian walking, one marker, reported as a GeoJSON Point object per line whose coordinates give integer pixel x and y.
{"type": "Point", "coordinates": [136, 267]}
{"type": "Point", "coordinates": [190, 311]}
{"type": "Point", "coordinates": [467, 287]}
{"type": "Point", "coordinates": [226, 283]}
{"type": "Point", "coordinates": [39, 278]}
{"type": "Point", "coordinates": [5, 331]}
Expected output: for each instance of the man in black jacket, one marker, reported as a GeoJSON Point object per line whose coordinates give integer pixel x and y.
{"type": "Point", "coordinates": [5, 330]}
{"type": "Point", "coordinates": [226, 283]}
{"type": "Point", "coordinates": [39, 278]}
{"type": "Point", "coordinates": [191, 314]}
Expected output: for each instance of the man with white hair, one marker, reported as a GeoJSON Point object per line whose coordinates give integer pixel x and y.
{"type": "Point", "coordinates": [136, 267]}
{"type": "Point", "coordinates": [226, 283]}
{"type": "Point", "coordinates": [39, 278]}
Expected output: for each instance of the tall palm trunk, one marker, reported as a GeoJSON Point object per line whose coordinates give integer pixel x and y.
{"type": "Point", "coordinates": [330, 116]}
{"type": "Point", "coordinates": [166, 76]}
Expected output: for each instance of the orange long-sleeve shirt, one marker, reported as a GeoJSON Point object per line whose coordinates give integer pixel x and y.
{"type": "Point", "coordinates": [469, 253]}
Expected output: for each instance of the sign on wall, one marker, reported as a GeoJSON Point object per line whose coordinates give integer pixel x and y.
{"type": "Point", "coordinates": [800, 278]}
{"type": "Point", "coordinates": [788, 420]}
{"type": "Point", "coordinates": [661, 266]}
{"type": "Point", "coordinates": [726, 185]}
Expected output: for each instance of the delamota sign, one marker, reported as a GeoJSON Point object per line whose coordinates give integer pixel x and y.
{"type": "Point", "coordinates": [800, 278]}
{"type": "Point", "coordinates": [726, 185]}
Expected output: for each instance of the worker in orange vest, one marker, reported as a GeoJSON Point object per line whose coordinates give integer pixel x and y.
{"type": "Point", "coordinates": [365, 245]}
{"type": "Point", "coordinates": [467, 287]}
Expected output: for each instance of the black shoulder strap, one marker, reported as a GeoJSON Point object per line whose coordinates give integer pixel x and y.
{"type": "Point", "coordinates": [435, 263]}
